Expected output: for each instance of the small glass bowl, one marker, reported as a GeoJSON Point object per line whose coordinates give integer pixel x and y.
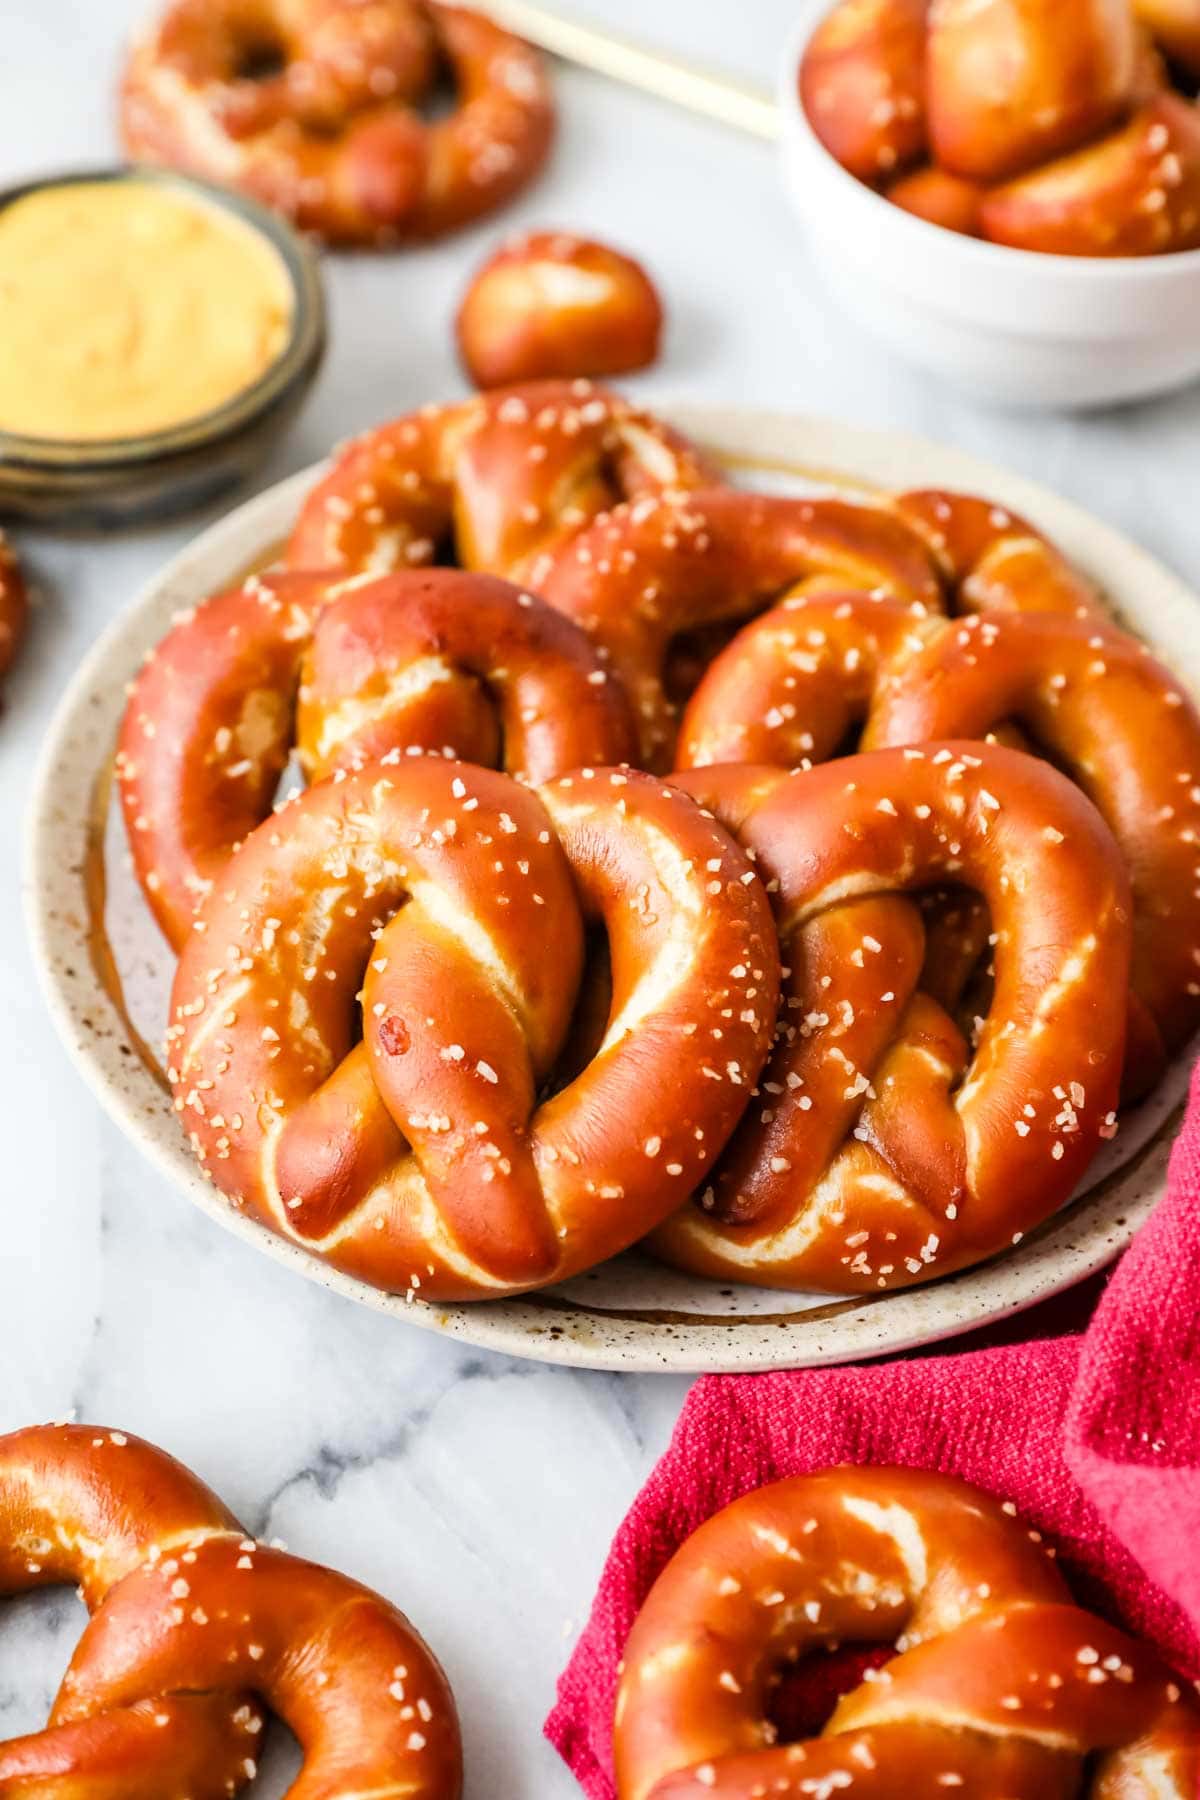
{"type": "Point", "coordinates": [125, 481]}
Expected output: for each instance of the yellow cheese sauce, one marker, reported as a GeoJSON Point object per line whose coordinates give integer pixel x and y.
{"type": "Point", "coordinates": [128, 307]}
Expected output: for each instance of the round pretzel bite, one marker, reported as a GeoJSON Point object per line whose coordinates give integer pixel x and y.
{"type": "Point", "coordinates": [999, 1687]}
{"type": "Point", "coordinates": [940, 198]}
{"type": "Point", "coordinates": [862, 85]}
{"type": "Point", "coordinates": [1135, 193]}
{"type": "Point", "coordinates": [491, 483]}
{"type": "Point", "coordinates": [192, 1623]}
{"type": "Point", "coordinates": [1012, 82]}
{"type": "Point", "coordinates": [315, 107]}
{"type": "Point", "coordinates": [14, 604]}
{"type": "Point", "coordinates": [881, 1149]}
{"type": "Point", "coordinates": [341, 673]}
{"type": "Point", "coordinates": [549, 304]}
{"type": "Point", "coordinates": [1116, 721]}
{"type": "Point", "coordinates": [652, 571]}
{"type": "Point", "coordinates": [425, 1157]}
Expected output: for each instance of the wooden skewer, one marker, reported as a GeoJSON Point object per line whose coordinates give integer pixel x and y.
{"type": "Point", "coordinates": [701, 90]}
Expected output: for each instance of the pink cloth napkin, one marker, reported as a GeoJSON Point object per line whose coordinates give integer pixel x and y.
{"type": "Point", "coordinates": [1095, 1436]}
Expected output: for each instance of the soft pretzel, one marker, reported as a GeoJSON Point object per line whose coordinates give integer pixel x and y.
{"type": "Point", "coordinates": [821, 672]}
{"type": "Point", "coordinates": [429, 660]}
{"type": "Point", "coordinates": [862, 85]}
{"type": "Point", "coordinates": [940, 198]}
{"type": "Point", "coordinates": [550, 303]}
{"type": "Point", "coordinates": [313, 106]}
{"type": "Point", "coordinates": [1118, 723]}
{"type": "Point", "coordinates": [492, 483]}
{"type": "Point", "coordinates": [1010, 83]}
{"type": "Point", "coordinates": [423, 1158]}
{"type": "Point", "coordinates": [881, 1149]}
{"type": "Point", "coordinates": [193, 1624]}
{"type": "Point", "coordinates": [1135, 193]}
{"type": "Point", "coordinates": [14, 604]}
{"type": "Point", "coordinates": [645, 575]}
{"type": "Point", "coordinates": [1000, 1687]}
{"type": "Point", "coordinates": [991, 559]}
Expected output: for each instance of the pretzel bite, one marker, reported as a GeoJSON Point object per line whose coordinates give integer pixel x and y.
{"type": "Point", "coordinates": [193, 1627]}
{"type": "Point", "coordinates": [1135, 193]}
{"type": "Point", "coordinates": [883, 1148]}
{"type": "Point", "coordinates": [940, 198]}
{"type": "Point", "coordinates": [551, 304]}
{"type": "Point", "coordinates": [1012, 82]}
{"type": "Point", "coordinates": [862, 85]}
{"type": "Point", "coordinates": [999, 1685]}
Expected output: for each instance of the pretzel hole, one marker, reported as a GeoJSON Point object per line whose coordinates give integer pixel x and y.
{"type": "Point", "coordinates": [803, 1694]}
{"type": "Point", "coordinates": [41, 1631]}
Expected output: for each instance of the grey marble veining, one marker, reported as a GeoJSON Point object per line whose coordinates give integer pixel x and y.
{"type": "Point", "coordinates": [480, 1494]}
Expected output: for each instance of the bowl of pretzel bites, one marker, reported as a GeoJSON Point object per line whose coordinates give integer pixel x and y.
{"type": "Point", "coordinates": [717, 893]}
{"type": "Point", "coordinates": [1007, 194]}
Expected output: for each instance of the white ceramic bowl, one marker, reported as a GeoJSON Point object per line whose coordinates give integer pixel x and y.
{"type": "Point", "coordinates": [90, 928]}
{"type": "Point", "coordinates": [1009, 326]}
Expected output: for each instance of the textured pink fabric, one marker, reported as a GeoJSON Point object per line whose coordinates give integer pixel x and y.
{"type": "Point", "coordinates": [1095, 1436]}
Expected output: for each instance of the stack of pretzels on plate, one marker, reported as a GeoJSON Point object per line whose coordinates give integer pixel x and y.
{"type": "Point", "coordinates": [796, 886]}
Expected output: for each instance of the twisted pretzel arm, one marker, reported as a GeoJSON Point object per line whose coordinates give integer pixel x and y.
{"type": "Point", "coordinates": [646, 573]}
{"type": "Point", "coordinates": [419, 1158]}
{"type": "Point", "coordinates": [883, 1150]}
{"type": "Point", "coordinates": [493, 484]}
{"type": "Point", "coordinates": [1118, 723]}
{"type": "Point", "coordinates": [999, 1686]}
{"type": "Point", "coordinates": [992, 559]}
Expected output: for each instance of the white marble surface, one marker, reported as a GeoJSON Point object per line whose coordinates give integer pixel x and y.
{"type": "Point", "coordinates": [480, 1494]}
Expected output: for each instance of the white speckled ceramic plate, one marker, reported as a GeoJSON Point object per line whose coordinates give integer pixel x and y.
{"type": "Point", "coordinates": [106, 972]}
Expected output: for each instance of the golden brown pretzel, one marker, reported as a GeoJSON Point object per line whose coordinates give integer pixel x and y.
{"type": "Point", "coordinates": [992, 559]}
{"type": "Point", "coordinates": [431, 660]}
{"type": "Point", "coordinates": [1117, 722]}
{"type": "Point", "coordinates": [14, 604]}
{"type": "Point", "coordinates": [1000, 1687]}
{"type": "Point", "coordinates": [313, 107]}
{"type": "Point", "coordinates": [491, 484]}
{"type": "Point", "coordinates": [1135, 193]}
{"type": "Point", "coordinates": [192, 1624]}
{"type": "Point", "coordinates": [882, 1149]}
{"type": "Point", "coordinates": [553, 304]}
{"type": "Point", "coordinates": [862, 84]}
{"type": "Point", "coordinates": [1010, 83]}
{"type": "Point", "coordinates": [650, 572]}
{"type": "Point", "coordinates": [821, 673]}
{"type": "Point", "coordinates": [423, 1157]}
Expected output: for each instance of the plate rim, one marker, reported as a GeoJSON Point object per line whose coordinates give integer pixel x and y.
{"type": "Point", "coordinates": [1064, 1252]}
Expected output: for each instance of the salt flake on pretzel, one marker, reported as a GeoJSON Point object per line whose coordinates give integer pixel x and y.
{"type": "Point", "coordinates": [881, 1149]}
{"type": "Point", "coordinates": [313, 106]}
{"type": "Point", "coordinates": [423, 1157]}
{"type": "Point", "coordinates": [192, 1625]}
{"type": "Point", "coordinates": [999, 1687]}
{"type": "Point", "coordinates": [340, 672]}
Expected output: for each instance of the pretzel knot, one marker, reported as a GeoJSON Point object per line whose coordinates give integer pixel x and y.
{"type": "Point", "coordinates": [441, 1153]}
{"type": "Point", "coordinates": [340, 673]}
{"type": "Point", "coordinates": [496, 483]}
{"type": "Point", "coordinates": [192, 1624]}
{"type": "Point", "coordinates": [314, 106]}
{"type": "Point", "coordinates": [14, 603]}
{"type": "Point", "coordinates": [882, 1149]}
{"type": "Point", "coordinates": [1000, 1686]}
